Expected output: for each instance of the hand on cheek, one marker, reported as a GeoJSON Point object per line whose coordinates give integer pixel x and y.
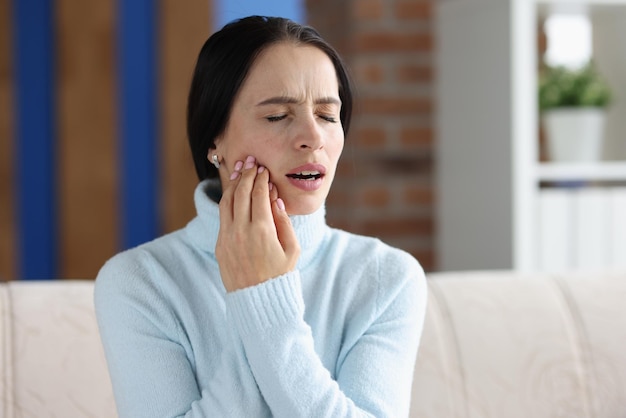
{"type": "Point", "coordinates": [256, 240]}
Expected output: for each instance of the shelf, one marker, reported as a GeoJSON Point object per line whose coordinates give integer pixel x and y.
{"type": "Point", "coordinates": [604, 171]}
{"type": "Point", "coordinates": [546, 7]}
{"type": "Point", "coordinates": [490, 148]}
{"type": "Point", "coordinates": [575, 4]}
{"type": "Point", "coordinates": [582, 2]}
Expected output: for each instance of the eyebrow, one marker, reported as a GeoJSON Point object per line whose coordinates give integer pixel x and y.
{"type": "Point", "coordinates": [292, 100]}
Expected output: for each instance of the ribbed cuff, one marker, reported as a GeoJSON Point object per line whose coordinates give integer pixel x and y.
{"type": "Point", "coordinates": [275, 302]}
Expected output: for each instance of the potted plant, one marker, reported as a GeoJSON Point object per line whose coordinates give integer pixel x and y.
{"type": "Point", "coordinates": [573, 106]}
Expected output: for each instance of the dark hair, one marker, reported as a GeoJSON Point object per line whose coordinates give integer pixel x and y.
{"type": "Point", "coordinates": [222, 66]}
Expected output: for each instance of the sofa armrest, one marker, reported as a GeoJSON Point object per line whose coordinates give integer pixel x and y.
{"type": "Point", "coordinates": [52, 360]}
{"type": "Point", "coordinates": [504, 344]}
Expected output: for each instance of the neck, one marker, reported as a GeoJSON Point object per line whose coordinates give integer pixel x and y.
{"type": "Point", "coordinates": [204, 229]}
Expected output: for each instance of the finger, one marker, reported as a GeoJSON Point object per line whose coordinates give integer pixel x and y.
{"type": "Point", "coordinates": [286, 233]}
{"type": "Point", "coordinates": [236, 170]}
{"type": "Point", "coordinates": [273, 192]}
{"type": "Point", "coordinates": [261, 208]}
{"type": "Point", "coordinates": [226, 201]}
{"type": "Point", "coordinates": [243, 189]}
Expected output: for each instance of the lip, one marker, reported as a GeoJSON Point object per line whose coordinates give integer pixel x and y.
{"type": "Point", "coordinates": [309, 167]}
{"type": "Point", "coordinates": [307, 185]}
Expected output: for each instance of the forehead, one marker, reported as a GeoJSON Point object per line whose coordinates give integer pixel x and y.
{"type": "Point", "coordinates": [292, 69]}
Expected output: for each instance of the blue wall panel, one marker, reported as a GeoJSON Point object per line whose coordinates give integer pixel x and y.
{"type": "Point", "coordinates": [138, 120]}
{"type": "Point", "coordinates": [226, 10]}
{"type": "Point", "coordinates": [35, 139]}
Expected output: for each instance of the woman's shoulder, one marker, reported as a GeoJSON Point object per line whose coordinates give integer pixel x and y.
{"type": "Point", "coordinates": [134, 266]}
{"type": "Point", "coordinates": [136, 285]}
{"type": "Point", "coordinates": [372, 252]}
{"type": "Point", "coordinates": [370, 245]}
{"type": "Point", "coordinates": [377, 274]}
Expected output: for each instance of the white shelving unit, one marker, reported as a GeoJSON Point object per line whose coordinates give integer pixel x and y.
{"type": "Point", "coordinates": [606, 172]}
{"type": "Point", "coordinates": [488, 168]}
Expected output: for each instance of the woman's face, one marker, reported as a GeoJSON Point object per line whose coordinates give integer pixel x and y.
{"type": "Point", "coordinates": [286, 115]}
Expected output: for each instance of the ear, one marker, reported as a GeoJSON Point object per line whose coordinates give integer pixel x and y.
{"type": "Point", "coordinates": [217, 142]}
{"type": "Point", "coordinates": [215, 150]}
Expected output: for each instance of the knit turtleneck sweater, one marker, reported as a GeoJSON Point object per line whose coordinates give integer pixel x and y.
{"type": "Point", "coordinates": [336, 337]}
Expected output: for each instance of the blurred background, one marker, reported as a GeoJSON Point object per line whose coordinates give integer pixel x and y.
{"type": "Point", "coordinates": [93, 149]}
{"type": "Point", "coordinates": [94, 155]}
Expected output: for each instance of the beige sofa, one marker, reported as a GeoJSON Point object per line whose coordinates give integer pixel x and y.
{"type": "Point", "coordinates": [496, 344]}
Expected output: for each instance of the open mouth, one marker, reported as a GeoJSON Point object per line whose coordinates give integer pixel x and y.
{"type": "Point", "coordinates": [306, 175]}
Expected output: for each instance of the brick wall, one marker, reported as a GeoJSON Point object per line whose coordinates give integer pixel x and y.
{"type": "Point", "coordinates": [384, 185]}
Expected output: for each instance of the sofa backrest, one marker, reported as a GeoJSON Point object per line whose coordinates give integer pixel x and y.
{"type": "Point", "coordinates": [51, 360]}
{"type": "Point", "coordinates": [497, 344]}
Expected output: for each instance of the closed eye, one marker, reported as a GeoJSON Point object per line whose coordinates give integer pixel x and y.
{"type": "Point", "coordinates": [276, 118]}
{"type": "Point", "coordinates": [328, 118]}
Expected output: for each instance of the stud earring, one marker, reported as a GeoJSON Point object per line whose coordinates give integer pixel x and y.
{"type": "Point", "coordinates": [215, 161]}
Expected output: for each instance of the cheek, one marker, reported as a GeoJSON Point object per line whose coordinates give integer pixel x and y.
{"type": "Point", "coordinates": [243, 143]}
{"type": "Point", "coordinates": [243, 137]}
{"type": "Point", "coordinates": [266, 147]}
{"type": "Point", "coordinates": [335, 145]}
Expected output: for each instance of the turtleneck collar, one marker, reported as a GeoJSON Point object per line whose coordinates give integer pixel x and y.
{"type": "Point", "coordinates": [204, 228]}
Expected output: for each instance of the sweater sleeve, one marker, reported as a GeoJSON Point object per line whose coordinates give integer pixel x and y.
{"type": "Point", "coordinates": [148, 361]}
{"type": "Point", "coordinates": [374, 379]}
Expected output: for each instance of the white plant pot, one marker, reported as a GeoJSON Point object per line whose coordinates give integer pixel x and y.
{"type": "Point", "coordinates": [574, 134]}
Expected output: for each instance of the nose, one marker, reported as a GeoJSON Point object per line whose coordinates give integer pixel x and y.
{"type": "Point", "coordinates": [309, 134]}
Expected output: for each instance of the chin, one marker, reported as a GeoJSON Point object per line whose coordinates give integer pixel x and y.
{"type": "Point", "coordinates": [303, 206]}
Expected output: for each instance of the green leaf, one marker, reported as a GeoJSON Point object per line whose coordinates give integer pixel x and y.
{"type": "Point", "coordinates": [562, 87]}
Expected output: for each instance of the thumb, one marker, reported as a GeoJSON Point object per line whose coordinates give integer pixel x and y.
{"type": "Point", "coordinates": [284, 229]}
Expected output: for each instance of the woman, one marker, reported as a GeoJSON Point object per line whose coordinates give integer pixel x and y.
{"type": "Point", "coordinates": [257, 308]}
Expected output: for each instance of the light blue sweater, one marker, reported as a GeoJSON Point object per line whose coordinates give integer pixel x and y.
{"type": "Point", "coordinates": [336, 337]}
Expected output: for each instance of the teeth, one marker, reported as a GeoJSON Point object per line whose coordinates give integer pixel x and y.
{"type": "Point", "coordinates": [306, 175]}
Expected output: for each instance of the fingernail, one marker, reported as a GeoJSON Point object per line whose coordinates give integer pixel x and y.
{"type": "Point", "coordinates": [271, 186]}
{"type": "Point", "coordinates": [238, 165]}
{"type": "Point", "coordinates": [260, 170]}
{"type": "Point", "coordinates": [249, 162]}
{"type": "Point", "coordinates": [234, 175]}
{"type": "Point", "coordinates": [280, 203]}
